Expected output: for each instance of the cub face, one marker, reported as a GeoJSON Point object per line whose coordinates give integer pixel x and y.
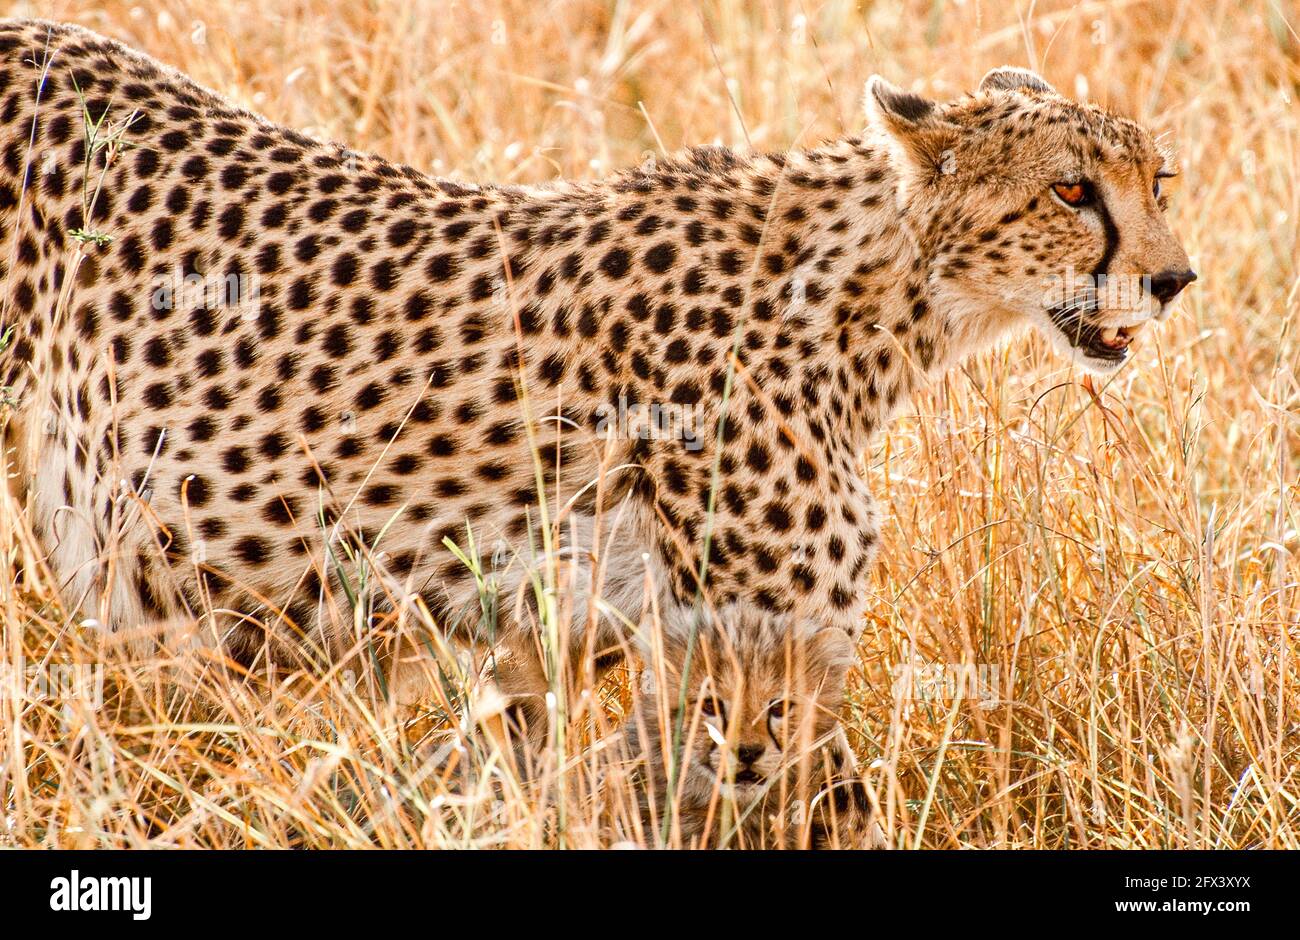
{"type": "Point", "coordinates": [1038, 210]}
{"type": "Point", "coordinates": [757, 722]}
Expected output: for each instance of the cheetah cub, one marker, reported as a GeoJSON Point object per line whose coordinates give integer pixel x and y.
{"type": "Point", "coordinates": [736, 741]}
{"type": "Point", "coordinates": [244, 363]}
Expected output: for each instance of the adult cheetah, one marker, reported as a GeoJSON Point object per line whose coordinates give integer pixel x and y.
{"type": "Point", "coordinates": [391, 358]}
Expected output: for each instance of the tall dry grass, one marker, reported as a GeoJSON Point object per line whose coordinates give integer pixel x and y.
{"type": "Point", "coordinates": [1118, 562]}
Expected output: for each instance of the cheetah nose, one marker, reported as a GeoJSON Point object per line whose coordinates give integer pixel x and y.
{"type": "Point", "coordinates": [749, 753]}
{"type": "Point", "coordinates": [1168, 284]}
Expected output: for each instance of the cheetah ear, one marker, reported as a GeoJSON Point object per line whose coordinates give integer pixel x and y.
{"type": "Point", "coordinates": [1010, 78]}
{"type": "Point", "coordinates": [830, 656]}
{"type": "Point", "coordinates": [895, 107]}
{"type": "Point", "coordinates": [914, 122]}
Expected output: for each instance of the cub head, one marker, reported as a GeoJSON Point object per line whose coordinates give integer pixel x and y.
{"type": "Point", "coordinates": [760, 705]}
{"type": "Point", "coordinates": [1035, 209]}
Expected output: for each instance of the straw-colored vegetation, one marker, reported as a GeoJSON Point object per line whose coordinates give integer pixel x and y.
{"type": "Point", "coordinates": [1116, 565]}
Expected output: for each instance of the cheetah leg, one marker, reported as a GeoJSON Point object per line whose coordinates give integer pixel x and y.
{"type": "Point", "coordinates": [520, 677]}
{"type": "Point", "coordinates": [842, 816]}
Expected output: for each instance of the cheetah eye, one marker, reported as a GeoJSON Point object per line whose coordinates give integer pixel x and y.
{"type": "Point", "coordinates": [710, 707]}
{"type": "Point", "coordinates": [1155, 183]}
{"type": "Point", "coordinates": [777, 709]}
{"type": "Point", "coordinates": [1073, 194]}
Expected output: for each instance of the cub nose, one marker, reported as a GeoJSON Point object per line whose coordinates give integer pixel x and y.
{"type": "Point", "coordinates": [747, 754]}
{"type": "Point", "coordinates": [1167, 284]}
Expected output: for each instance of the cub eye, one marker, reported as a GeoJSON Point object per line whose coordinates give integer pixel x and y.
{"type": "Point", "coordinates": [777, 709]}
{"type": "Point", "coordinates": [1073, 194]}
{"type": "Point", "coordinates": [710, 707]}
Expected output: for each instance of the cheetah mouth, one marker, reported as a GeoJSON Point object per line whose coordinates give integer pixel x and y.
{"type": "Point", "coordinates": [747, 777]}
{"type": "Point", "coordinates": [1107, 343]}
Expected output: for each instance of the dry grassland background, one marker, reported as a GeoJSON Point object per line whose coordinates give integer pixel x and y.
{"type": "Point", "coordinates": [1114, 567]}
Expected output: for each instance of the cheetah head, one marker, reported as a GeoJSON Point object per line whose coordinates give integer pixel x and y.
{"type": "Point", "coordinates": [1035, 209]}
{"type": "Point", "coordinates": [760, 699]}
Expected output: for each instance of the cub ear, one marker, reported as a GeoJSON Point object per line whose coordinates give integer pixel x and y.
{"type": "Point", "coordinates": [911, 120]}
{"type": "Point", "coordinates": [830, 656]}
{"type": "Point", "coordinates": [1010, 78]}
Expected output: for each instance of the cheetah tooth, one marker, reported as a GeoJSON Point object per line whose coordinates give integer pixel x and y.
{"type": "Point", "coordinates": [1108, 335]}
